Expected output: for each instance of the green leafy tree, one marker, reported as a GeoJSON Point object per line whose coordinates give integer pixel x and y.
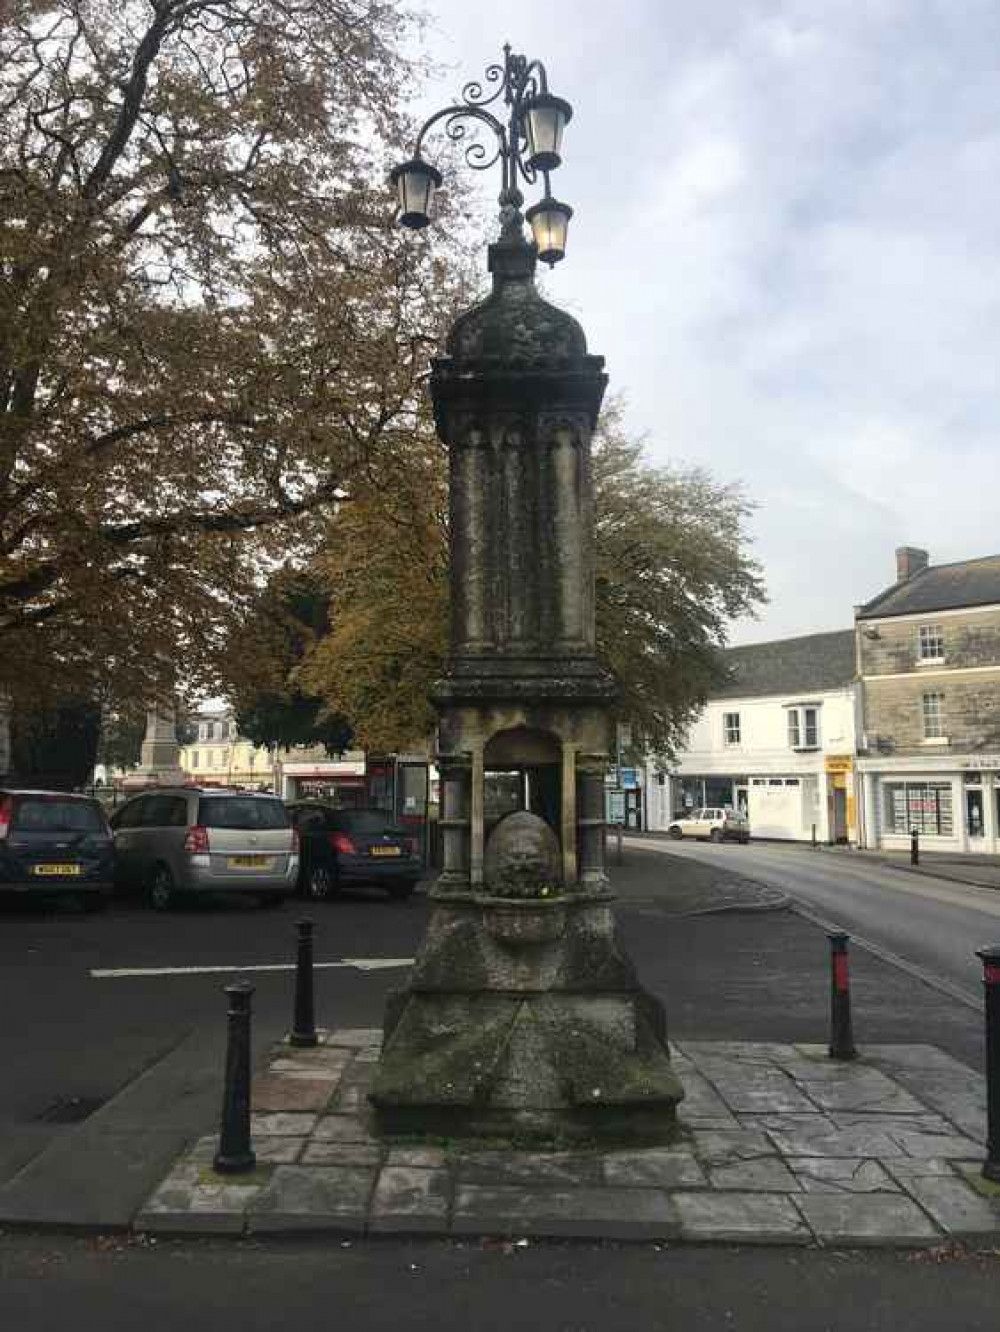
{"type": "Point", "coordinates": [290, 617]}
{"type": "Point", "coordinates": [209, 324]}
{"type": "Point", "coordinates": [673, 568]}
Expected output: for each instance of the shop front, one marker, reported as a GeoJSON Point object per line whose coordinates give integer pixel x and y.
{"type": "Point", "coordinates": [952, 803]}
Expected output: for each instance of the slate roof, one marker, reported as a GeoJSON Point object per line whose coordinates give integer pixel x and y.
{"type": "Point", "coordinates": [939, 587]}
{"type": "Point", "coordinates": [790, 666]}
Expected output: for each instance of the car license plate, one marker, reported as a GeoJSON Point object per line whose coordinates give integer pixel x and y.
{"type": "Point", "coordinates": [386, 851]}
{"type": "Point", "coordinates": [250, 862]}
{"type": "Point", "coordinates": [64, 870]}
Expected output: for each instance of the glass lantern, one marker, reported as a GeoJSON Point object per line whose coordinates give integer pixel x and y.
{"type": "Point", "coordinates": [543, 119]}
{"type": "Point", "coordinates": [415, 183]}
{"type": "Point", "coordinates": [549, 222]}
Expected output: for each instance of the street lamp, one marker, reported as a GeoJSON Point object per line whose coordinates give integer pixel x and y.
{"type": "Point", "coordinates": [529, 145]}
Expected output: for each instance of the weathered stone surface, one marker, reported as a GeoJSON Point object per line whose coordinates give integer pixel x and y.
{"type": "Point", "coordinates": [956, 1208]}
{"type": "Point", "coordinates": [282, 1125]}
{"type": "Point", "coordinates": [655, 1167]}
{"type": "Point", "coordinates": [611, 1213]}
{"type": "Point", "coordinates": [408, 1199]}
{"type": "Point", "coordinates": [522, 855]}
{"type": "Point", "coordinates": [806, 1135]}
{"type": "Point", "coordinates": [531, 1169]}
{"type": "Point", "coordinates": [426, 1158]}
{"type": "Point", "coordinates": [765, 1175]}
{"type": "Point", "coordinates": [817, 1174]}
{"type": "Point", "coordinates": [723, 1147]}
{"type": "Point", "coordinates": [343, 1128]}
{"type": "Point", "coordinates": [291, 1094]}
{"type": "Point", "coordinates": [873, 1218]}
{"type": "Point", "coordinates": [342, 1153]}
{"type": "Point", "coordinates": [332, 1198]}
{"type": "Point", "coordinates": [736, 1217]}
{"type": "Point", "coordinates": [861, 1089]}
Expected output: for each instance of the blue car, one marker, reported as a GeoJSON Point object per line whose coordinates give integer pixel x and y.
{"type": "Point", "coordinates": [55, 843]}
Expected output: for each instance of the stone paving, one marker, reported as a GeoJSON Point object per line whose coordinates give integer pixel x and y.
{"type": "Point", "coordinates": [778, 1145]}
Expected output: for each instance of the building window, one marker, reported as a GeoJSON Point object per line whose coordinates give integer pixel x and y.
{"type": "Point", "coordinates": [933, 707]}
{"type": "Point", "coordinates": [924, 806]}
{"type": "Point", "coordinates": [803, 728]}
{"type": "Point", "coordinates": [194, 758]}
{"type": "Point", "coordinates": [731, 728]}
{"type": "Point", "coordinates": [930, 643]}
{"type": "Point", "coordinates": [204, 731]}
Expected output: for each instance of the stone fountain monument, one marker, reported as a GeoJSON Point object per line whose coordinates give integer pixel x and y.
{"type": "Point", "coordinates": [523, 1013]}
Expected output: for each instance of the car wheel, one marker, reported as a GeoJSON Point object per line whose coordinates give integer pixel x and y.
{"type": "Point", "coordinates": [321, 883]}
{"type": "Point", "coordinates": [161, 891]}
{"type": "Point", "coordinates": [399, 892]}
{"type": "Point", "coordinates": [675, 833]}
{"type": "Point", "coordinates": [715, 835]}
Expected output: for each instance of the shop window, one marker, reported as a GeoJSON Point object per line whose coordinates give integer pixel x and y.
{"type": "Point", "coordinates": [803, 727]}
{"type": "Point", "coordinates": [731, 728]}
{"type": "Point", "coordinates": [930, 643]}
{"type": "Point", "coordinates": [933, 714]}
{"type": "Point", "coordinates": [924, 806]}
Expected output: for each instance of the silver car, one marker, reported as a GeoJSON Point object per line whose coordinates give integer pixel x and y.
{"type": "Point", "coordinates": [187, 839]}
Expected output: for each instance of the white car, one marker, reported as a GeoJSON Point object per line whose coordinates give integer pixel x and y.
{"type": "Point", "coordinates": [712, 824]}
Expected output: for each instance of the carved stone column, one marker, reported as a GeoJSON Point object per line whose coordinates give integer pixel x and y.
{"type": "Point", "coordinates": [590, 822]}
{"type": "Point", "coordinates": [456, 783]}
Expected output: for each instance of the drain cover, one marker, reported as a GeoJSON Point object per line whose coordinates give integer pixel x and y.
{"type": "Point", "coordinates": [71, 1109]}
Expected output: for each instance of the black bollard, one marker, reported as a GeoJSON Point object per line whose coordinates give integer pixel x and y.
{"type": "Point", "coordinates": [304, 1025]}
{"type": "Point", "coordinates": [235, 1154]}
{"type": "Point", "coordinates": [990, 958]}
{"type": "Point", "coordinates": [814, 843]}
{"type": "Point", "coordinates": [841, 1035]}
{"type": "Point", "coordinates": [914, 847]}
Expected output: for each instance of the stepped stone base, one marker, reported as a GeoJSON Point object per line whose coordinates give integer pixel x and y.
{"type": "Point", "coordinates": [525, 1018]}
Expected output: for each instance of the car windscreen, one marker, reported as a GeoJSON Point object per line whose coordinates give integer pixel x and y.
{"type": "Point", "coordinates": [46, 815]}
{"type": "Point", "coordinates": [235, 812]}
{"type": "Point", "coordinates": [364, 821]}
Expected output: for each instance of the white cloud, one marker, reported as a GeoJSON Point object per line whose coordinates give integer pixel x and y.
{"type": "Point", "coordinates": [786, 245]}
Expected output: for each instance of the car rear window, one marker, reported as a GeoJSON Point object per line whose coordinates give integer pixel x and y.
{"type": "Point", "coordinates": [240, 812]}
{"type": "Point", "coordinates": [46, 815]}
{"type": "Point", "coordinates": [364, 821]}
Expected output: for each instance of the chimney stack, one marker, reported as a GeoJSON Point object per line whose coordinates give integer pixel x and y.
{"type": "Point", "coordinates": [909, 561]}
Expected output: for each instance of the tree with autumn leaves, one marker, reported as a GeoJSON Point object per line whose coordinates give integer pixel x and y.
{"type": "Point", "coordinates": [210, 327]}
{"type": "Point", "coordinates": [673, 569]}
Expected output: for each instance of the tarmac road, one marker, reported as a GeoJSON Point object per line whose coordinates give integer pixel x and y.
{"type": "Point", "coordinates": [934, 924]}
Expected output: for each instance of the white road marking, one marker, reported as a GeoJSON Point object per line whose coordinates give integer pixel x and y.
{"type": "Point", "coordinates": [359, 963]}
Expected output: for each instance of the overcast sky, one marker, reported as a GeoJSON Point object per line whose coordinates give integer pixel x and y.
{"type": "Point", "coordinates": [787, 246]}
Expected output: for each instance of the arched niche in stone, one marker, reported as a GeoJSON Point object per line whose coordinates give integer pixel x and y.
{"type": "Point", "coordinates": [532, 759]}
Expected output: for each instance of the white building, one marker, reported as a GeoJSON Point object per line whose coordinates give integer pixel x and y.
{"type": "Point", "coordinates": [778, 740]}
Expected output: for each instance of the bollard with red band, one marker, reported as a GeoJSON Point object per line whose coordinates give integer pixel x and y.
{"type": "Point", "coordinates": [841, 1035]}
{"type": "Point", "coordinates": [990, 958]}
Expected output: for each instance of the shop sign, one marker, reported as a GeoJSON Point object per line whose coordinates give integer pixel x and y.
{"type": "Point", "coordinates": [839, 763]}
{"type": "Point", "coordinates": [980, 761]}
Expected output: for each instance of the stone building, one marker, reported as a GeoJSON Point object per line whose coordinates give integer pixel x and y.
{"type": "Point", "coordinates": [777, 739]}
{"type": "Point", "coordinates": [928, 654]}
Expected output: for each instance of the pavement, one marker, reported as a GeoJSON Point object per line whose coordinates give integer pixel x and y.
{"type": "Point", "coordinates": [777, 1144]}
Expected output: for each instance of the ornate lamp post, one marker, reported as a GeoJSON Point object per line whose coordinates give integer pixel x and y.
{"type": "Point", "coordinates": [528, 145]}
{"type": "Point", "coordinates": [523, 1012]}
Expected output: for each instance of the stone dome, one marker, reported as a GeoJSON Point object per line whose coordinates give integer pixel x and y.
{"type": "Point", "coordinates": [514, 326]}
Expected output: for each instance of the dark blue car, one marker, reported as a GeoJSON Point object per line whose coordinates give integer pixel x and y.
{"type": "Point", "coordinates": [55, 843]}
{"type": "Point", "coordinates": [349, 846]}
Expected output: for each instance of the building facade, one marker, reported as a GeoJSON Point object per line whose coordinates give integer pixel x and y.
{"type": "Point", "coordinates": [928, 657]}
{"type": "Point", "coordinates": [776, 740]}
{"type": "Point", "coordinates": [220, 756]}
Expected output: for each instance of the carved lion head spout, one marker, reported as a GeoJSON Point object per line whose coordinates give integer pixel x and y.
{"type": "Point", "coordinates": [522, 858]}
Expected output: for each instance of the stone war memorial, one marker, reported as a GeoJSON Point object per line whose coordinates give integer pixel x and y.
{"type": "Point", "coordinates": [523, 1014]}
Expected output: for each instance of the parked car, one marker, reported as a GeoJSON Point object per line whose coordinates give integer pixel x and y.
{"type": "Point", "coordinates": [54, 842]}
{"type": "Point", "coordinates": [187, 839]}
{"type": "Point", "coordinates": [353, 846]}
{"type": "Point", "coordinates": [714, 824]}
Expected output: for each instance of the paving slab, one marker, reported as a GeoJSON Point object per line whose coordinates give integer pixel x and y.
{"type": "Point", "coordinates": [318, 1198]}
{"type": "Point", "coordinates": [734, 1218]}
{"type": "Point", "coordinates": [865, 1219]}
{"type": "Point", "coordinates": [827, 1154]}
{"type": "Point", "coordinates": [411, 1200]}
{"type": "Point", "coordinates": [614, 1213]}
